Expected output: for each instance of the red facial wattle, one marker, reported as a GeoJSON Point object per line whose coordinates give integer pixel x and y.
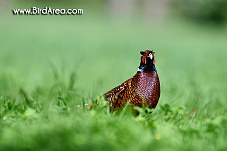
{"type": "Point", "coordinates": [144, 59]}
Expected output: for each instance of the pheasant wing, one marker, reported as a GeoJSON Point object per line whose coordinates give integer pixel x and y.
{"type": "Point", "coordinates": [118, 96]}
{"type": "Point", "coordinates": [115, 92]}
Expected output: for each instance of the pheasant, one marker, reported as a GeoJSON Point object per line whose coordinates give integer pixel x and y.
{"type": "Point", "coordinates": [143, 89]}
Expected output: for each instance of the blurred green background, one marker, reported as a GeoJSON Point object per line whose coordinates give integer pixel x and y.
{"type": "Point", "coordinates": [48, 64]}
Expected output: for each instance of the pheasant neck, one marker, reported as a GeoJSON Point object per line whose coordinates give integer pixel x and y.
{"type": "Point", "coordinates": [147, 68]}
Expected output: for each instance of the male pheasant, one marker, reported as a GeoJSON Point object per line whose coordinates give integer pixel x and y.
{"type": "Point", "coordinates": [143, 89]}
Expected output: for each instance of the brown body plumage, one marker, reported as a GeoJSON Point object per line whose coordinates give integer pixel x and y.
{"type": "Point", "coordinates": [143, 89]}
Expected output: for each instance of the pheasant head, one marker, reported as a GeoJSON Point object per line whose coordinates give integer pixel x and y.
{"type": "Point", "coordinates": [147, 62]}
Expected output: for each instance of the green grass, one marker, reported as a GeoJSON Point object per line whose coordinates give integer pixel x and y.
{"type": "Point", "coordinates": [50, 65]}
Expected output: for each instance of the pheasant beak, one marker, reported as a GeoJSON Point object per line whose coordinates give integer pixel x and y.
{"type": "Point", "coordinates": [151, 55]}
